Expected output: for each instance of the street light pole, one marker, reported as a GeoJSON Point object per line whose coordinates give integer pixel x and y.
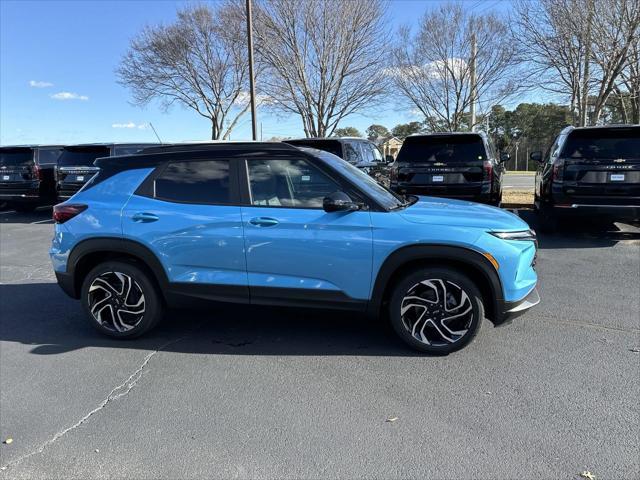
{"type": "Point", "coordinates": [252, 82]}
{"type": "Point", "coordinates": [473, 80]}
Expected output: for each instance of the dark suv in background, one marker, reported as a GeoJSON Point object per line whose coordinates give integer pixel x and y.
{"type": "Point", "coordinates": [589, 171]}
{"type": "Point", "coordinates": [27, 175]}
{"type": "Point", "coordinates": [359, 152]}
{"type": "Point", "coordinates": [453, 165]}
{"type": "Point", "coordinates": [75, 165]}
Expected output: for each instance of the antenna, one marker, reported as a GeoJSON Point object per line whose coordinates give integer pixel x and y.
{"type": "Point", "coordinates": [156, 133]}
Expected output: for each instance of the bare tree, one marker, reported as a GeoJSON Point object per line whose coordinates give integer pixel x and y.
{"type": "Point", "coordinates": [615, 42]}
{"type": "Point", "coordinates": [630, 80]}
{"type": "Point", "coordinates": [200, 61]}
{"type": "Point", "coordinates": [432, 69]}
{"type": "Point", "coordinates": [578, 48]}
{"type": "Point", "coordinates": [323, 60]}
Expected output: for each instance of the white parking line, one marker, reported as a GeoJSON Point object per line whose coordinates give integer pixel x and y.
{"type": "Point", "coordinates": [43, 221]}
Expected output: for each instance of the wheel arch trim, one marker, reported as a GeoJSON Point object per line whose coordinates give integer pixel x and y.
{"type": "Point", "coordinates": [114, 245]}
{"type": "Point", "coordinates": [404, 256]}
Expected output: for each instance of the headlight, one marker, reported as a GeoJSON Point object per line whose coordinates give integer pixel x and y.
{"type": "Point", "coordinates": [529, 235]}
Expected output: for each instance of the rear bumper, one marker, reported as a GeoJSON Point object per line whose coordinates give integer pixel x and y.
{"type": "Point", "coordinates": [20, 192]}
{"type": "Point", "coordinates": [629, 212]}
{"type": "Point", "coordinates": [475, 193]}
{"type": "Point", "coordinates": [68, 190]}
{"type": "Point", "coordinates": [511, 310]}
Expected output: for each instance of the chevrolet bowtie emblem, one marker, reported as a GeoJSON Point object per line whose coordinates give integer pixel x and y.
{"type": "Point", "coordinates": [619, 160]}
{"type": "Point", "coordinates": [439, 164]}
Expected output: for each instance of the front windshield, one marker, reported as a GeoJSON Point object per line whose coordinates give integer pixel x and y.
{"type": "Point", "coordinates": [384, 197]}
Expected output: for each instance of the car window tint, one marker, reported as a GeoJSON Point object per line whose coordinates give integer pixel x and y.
{"type": "Point", "coordinates": [203, 182]}
{"type": "Point", "coordinates": [288, 183]}
{"type": "Point", "coordinates": [603, 143]}
{"type": "Point", "coordinates": [128, 150]}
{"type": "Point", "coordinates": [49, 156]}
{"type": "Point", "coordinates": [351, 153]}
{"type": "Point", "coordinates": [442, 149]}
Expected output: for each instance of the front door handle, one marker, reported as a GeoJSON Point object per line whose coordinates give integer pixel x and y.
{"type": "Point", "coordinates": [263, 222]}
{"type": "Point", "coordinates": [144, 217]}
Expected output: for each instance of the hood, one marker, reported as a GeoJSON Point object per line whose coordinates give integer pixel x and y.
{"type": "Point", "coordinates": [460, 213]}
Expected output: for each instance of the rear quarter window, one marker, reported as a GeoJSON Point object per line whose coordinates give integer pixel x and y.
{"type": "Point", "coordinates": [199, 182]}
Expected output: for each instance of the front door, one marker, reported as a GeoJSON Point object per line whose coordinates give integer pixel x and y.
{"type": "Point", "coordinates": [191, 220]}
{"type": "Point", "coordinates": [297, 251]}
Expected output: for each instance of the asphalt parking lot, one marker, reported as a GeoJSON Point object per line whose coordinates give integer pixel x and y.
{"type": "Point", "coordinates": [265, 393]}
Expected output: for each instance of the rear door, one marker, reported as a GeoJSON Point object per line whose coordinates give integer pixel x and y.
{"type": "Point", "coordinates": [602, 162]}
{"type": "Point", "coordinates": [188, 214]}
{"type": "Point", "coordinates": [442, 164]}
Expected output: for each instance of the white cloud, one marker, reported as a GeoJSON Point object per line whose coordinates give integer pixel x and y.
{"type": "Point", "coordinates": [39, 84]}
{"type": "Point", "coordinates": [141, 126]}
{"type": "Point", "coordinates": [69, 96]}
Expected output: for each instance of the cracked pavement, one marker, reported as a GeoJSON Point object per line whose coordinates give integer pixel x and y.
{"type": "Point", "coordinates": [263, 393]}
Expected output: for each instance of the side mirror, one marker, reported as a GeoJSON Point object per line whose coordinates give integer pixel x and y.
{"type": "Point", "coordinates": [504, 156]}
{"type": "Point", "coordinates": [339, 202]}
{"type": "Point", "coordinates": [536, 156]}
{"type": "Point", "coordinates": [389, 159]}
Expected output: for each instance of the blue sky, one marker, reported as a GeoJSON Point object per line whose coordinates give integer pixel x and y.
{"type": "Point", "coordinates": [57, 81]}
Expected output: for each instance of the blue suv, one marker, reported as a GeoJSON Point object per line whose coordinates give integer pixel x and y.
{"type": "Point", "coordinates": [274, 224]}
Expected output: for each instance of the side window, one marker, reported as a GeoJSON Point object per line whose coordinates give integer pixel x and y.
{"type": "Point", "coordinates": [377, 156]}
{"type": "Point", "coordinates": [555, 148]}
{"type": "Point", "coordinates": [203, 182]}
{"type": "Point", "coordinates": [49, 156]}
{"type": "Point", "coordinates": [288, 183]}
{"type": "Point", "coordinates": [351, 153]}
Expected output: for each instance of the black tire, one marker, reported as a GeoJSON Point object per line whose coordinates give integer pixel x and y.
{"type": "Point", "coordinates": [447, 283]}
{"type": "Point", "coordinates": [131, 322]}
{"type": "Point", "coordinates": [25, 207]}
{"type": "Point", "coordinates": [547, 219]}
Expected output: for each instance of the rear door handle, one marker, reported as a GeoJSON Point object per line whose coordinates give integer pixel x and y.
{"type": "Point", "coordinates": [144, 217]}
{"type": "Point", "coordinates": [263, 222]}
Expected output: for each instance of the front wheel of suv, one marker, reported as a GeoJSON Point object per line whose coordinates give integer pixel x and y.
{"type": "Point", "coordinates": [436, 310]}
{"type": "Point", "coordinates": [121, 299]}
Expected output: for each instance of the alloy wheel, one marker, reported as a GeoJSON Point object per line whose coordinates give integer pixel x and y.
{"type": "Point", "coordinates": [116, 301]}
{"type": "Point", "coordinates": [436, 312]}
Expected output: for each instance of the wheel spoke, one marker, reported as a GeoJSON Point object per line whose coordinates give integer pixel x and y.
{"type": "Point", "coordinates": [116, 301]}
{"type": "Point", "coordinates": [436, 312]}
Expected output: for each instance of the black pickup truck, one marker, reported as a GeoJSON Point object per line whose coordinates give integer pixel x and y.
{"type": "Point", "coordinates": [592, 172]}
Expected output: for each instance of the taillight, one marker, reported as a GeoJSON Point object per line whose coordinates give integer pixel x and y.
{"type": "Point", "coordinates": [557, 171]}
{"type": "Point", "coordinates": [487, 167]}
{"type": "Point", "coordinates": [66, 211]}
{"type": "Point", "coordinates": [37, 172]}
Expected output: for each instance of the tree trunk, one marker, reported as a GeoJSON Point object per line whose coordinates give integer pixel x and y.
{"type": "Point", "coordinates": [584, 101]}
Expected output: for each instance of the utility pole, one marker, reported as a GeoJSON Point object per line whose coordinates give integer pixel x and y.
{"type": "Point", "coordinates": [252, 82]}
{"type": "Point", "coordinates": [473, 80]}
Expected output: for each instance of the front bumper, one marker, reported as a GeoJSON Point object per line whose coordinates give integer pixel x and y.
{"type": "Point", "coordinates": [513, 310]}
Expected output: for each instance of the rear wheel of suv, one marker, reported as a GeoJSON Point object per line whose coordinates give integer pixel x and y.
{"type": "Point", "coordinates": [121, 299]}
{"type": "Point", "coordinates": [436, 310]}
